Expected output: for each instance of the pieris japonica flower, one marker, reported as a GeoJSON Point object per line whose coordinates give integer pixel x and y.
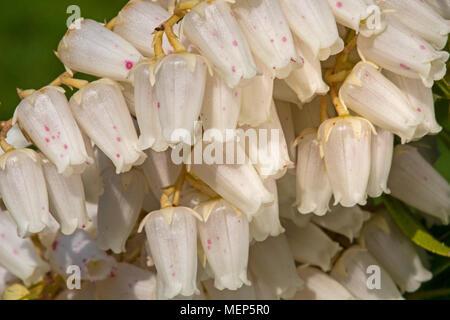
{"type": "Point", "coordinates": [20, 173]}
{"type": "Point", "coordinates": [93, 49]}
{"type": "Point", "coordinates": [414, 181]}
{"type": "Point", "coordinates": [119, 208]}
{"type": "Point", "coordinates": [320, 286]}
{"type": "Point", "coordinates": [19, 256]}
{"type": "Point", "coordinates": [268, 34]}
{"type": "Point", "coordinates": [313, 22]}
{"type": "Point", "coordinates": [224, 235]}
{"type": "Point", "coordinates": [419, 18]}
{"type": "Point", "coordinates": [266, 222]}
{"type": "Point", "coordinates": [67, 199]}
{"type": "Point", "coordinates": [351, 271]}
{"type": "Point", "coordinates": [46, 117]}
{"type": "Point", "coordinates": [179, 90]}
{"type": "Point", "coordinates": [370, 94]}
{"type": "Point", "coordinates": [269, 154]}
{"type": "Point", "coordinates": [213, 29]}
{"type": "Point", "coordinates": [136, 23]}
{"type": "Point", "coordinates": [382, 149]}
{"type": "Point", "coordinates": [221, 108]}
{"type": "Point", "coordinates": [127, 282]}
{"type": "Point", "coordinates": [421, 99]}
{"type": "Point", "coordinates": [307, 82]}
{"type": "Point", "coordinates": [172, 239]}
{"type": "Point", "coordinates": [313, 187]}
{"type": "Point", "coordinates": [239, 184]}
{"type": "Point", "coordinates": [311, 245]}
{"type": "Point", "coordinates": [257, 98]}
{"type": "Point", "coordinates": [102, 113]}
{"type": "Point", "coordinates": [80, 249]}
{"type": "Point", "coordinates": [346, 144]}
{"type": "Point", "coordinates": [401, 260]}
{"type": "Point", "coordinates": [147, 110]}
{"type": "Point", "coordinates": [441, 6]}
{"type": "Point", "coordinates": [272, 261]}
{"type": "Point", "coordinates": [399, 50]}
{"type": "Point", "coordinates": [363, 16]}
{"type": "Point", "coordinates": [345, 221]}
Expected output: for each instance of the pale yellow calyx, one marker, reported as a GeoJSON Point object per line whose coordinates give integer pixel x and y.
{"type": "Point", "coordinates": [15, 292]}
{"type": "Point", "coordinates": [28, 152]}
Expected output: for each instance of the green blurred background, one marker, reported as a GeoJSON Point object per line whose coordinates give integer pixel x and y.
{"type": "Point", "coordinates": [30, 31]}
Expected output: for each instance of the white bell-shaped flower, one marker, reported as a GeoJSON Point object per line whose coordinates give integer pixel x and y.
{"type": "Point", "coordinates": [136, 23]}
{"type": "Point", "coordinates": [345, 221]}
{"type": "Point", "coordinates": [441, 6]}
{"type": "Point", "coordinates": [272, 262]}
{"type": "Point", "coordinates": [146, 108]}
{"type": "Point", "coordinates": [46, 117]}
{"type": "Point", "coordinates": [19, 256]}
{"type": "Point", "coordinates": [307, 82]}
{"type": "Point", "coordinates": [224, 235]}
{"type": "Point", "coordinates": [268, 34]}
{"type": "Point", "coordinates": [320, 286]}
{"type": "Point", "coordinates": [257, 98]}
{"type": "Point", "coordinates": [179, 90]}
{"type": "Point", "coordinates": [172, 239]}
{"type": "Point", "coordinates": [414, 181]}
{"type": "Point", "coordinates": [221, 108]}
{"type": "Point", "coordinates": [237, 183]}
{"type": "Point", "coordinates": [400, 50]}
{"type": "Point", "coordinates": [91, 48]}
{"type": "Point", "coordinates": [80, 249]}
{"type": "Point", "coordinates": [127, 282]}
{"type": "Point", "coordinates": [402, 260]}
{"type": "Point", "coordinates": [213, 29]}
{"type": "Point", "coordinates": [119, 208]}
{"type": "Point", "coordinates": [266, 222]}
{"type": "Point", "coordinates": [382, 150]}
{"type": "Point", "coordinates": [351, 271]}
{"type": "Point", "coordinates": [346, 144]}
{"type": "Point", "coordinates": [23, 190]}
{"type": "Point", "coordinates": [102, 113]}
{"type": "Point", "coordinates": [313, 22]}
{"type": "Point", "coordinates": [368, 93]}
{"type": "Point", "coordinates": [363, 16]}
{"type": "Point", "coordinates": [67, 199]}
{"type": "Point", "coordinates": [311, 245]}
{"type": "Point", "coordinates": [421, 19]}
{"type": "Point", "coordinates": [313, 186]}
{"type": "Point", "coordinates": [421, 99]}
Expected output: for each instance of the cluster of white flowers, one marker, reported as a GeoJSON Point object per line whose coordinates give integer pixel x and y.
{"type": "Point", "coordinates": [290, 229]}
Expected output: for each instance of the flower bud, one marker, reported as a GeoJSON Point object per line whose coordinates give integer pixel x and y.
{"type": "Point", "coordinates": [382, 149]}
{"type": "Point", "coordinates": [368, 93]}
{"type": "Point", "coordinates": [414, 181]}
{"type": "Point", "coordinates": [224, 235]}
{"type": "Point", "coordinates": [313, 187]}
{"type": "Point", "coordinates": [102, 113]}
{"type": "Point", "coordinates": [311, 245]}
{"type": "Point", "coordinates": [93, 49]}
{"type": "Point", "coordinates": [46, 117]}
{"type": "Point", "coordinates": [352, 271]}
{"type": "Point", "coordinates": [272, 261]}
{"type": "Point", "coordinates": [119, 208]}
{"type": "Point", "coordinates": [213, 29]}
{"type": "Point", "coordinates": [67, 200]}
{"type": "Point", "coordinates": [172, 239]}
{"type": "Point", "coordinates": [19, 256]}
{"type": "Point", "coordinates": [345, 144]}
{"type": "Point", "coordinates": [268, 34]}
{"type": "Point", "coordinates": [401, 260]}
{"type": "Point", "coordinates": [179, 90]}
{"type": "Point", "coordinates": [313, 22]}
{"type": "Point", "coordinates": [20, 173]}
{"type": "Point", "coordinates": [399, 50]}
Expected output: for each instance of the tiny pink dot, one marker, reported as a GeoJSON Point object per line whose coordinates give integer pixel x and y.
{"type": "Point", "coordinates": [233, 68]}
{"type": "Point", "coordinates": [47, 140]}
{"type": "Point", "coordinates": [284, 39]}
{"type": "Point", "coordinates": [159, 105]}
{"type": "Point", "coordinates": [422, 47]}
{"type": "Point", "coordinates": [339, 4]}
{"type": "Point", "coordinates": [129, 65]}
{"type": "Point", "coordinates": [47, 128]}
{"type": "Point", "coordinates": [115, 128]}
{"type": "Point", "coordinates": [404, 66]}
{"type": "Point", "coordinates": [43, 208]}
{"type": "Point", "coordinates": [173, 274]}
{"type": "Point", "coordinates": [272, 40]}
{"type": "Point", "coordinates": [66, 146]}
{"type": "Point", "coordinates": [53, 137]}
{"type": "Point", "coordinates": [209, 247]}
{"type": "Point", "coordinates": [83, 226]}
{"type": "Point", "coordinates": [209, 241]}
{"type": "Point", "coordinates": [419, 109]}
{"type": "Point", "coordinates": [235, 43]}
{"type": "Point", "coordinates": [236, 94]}
{"type": "Point", "coordinates": [118, 155]}
{"type": "Point", "coordinates": [119, 139]}
{"type": "Point", "coordinates": [16, 252]}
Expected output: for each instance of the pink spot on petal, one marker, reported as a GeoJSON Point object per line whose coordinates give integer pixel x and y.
{"type": "Point", "coordinates": [55, 245]}
{"type": "Point", "coordinates": [115, 128]}
{"type": "Point", "coordinates": [66, 147]}
{"type": "Point", "coordinates": [119, 139]}
{"type": "Point", "coordinates": [272, 40]}
{"type": "Point", "coordinates": [339, 4]}
{"type": "Point", "coordinates": [129, 65]}
{"type": "Point", "coordinates": [284, 39]}
{"type": "Point", "coordinates": [422, 47]}
{"type": "Point", "coordinates": [159, 105]}
{"type": "Point", "coordinates": [404, 66]}
{"type": "Point", "coordinates": [419, 109]}
{"type": "Point", "coordinates": [16, 252]}
{"type": "Point", "coordinates": [53, 137]}
{"type": "Point", "coordinates": [209, 241]}
{"type": "Point", "coordinates": [235, 43]}
{"type": "Point", "coordinates": [209, 247]}
{"type": "Point", "coordinates": [173, 274]}
{"type": "Point", "coordinates": [233, 68]}
{"type": "Point", "coordinates": [118, 156]}
{"type": "Point", "coordinates": [47, 128]}
{"type": "Point", "coordinates": [47, 140]}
